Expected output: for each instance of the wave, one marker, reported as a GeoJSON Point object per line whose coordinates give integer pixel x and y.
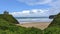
{"type": "Point", "coordinates": [35, 20]}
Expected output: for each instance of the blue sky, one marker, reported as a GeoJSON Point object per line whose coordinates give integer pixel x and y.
{"type": "Point", "coordinates": [31, 8]}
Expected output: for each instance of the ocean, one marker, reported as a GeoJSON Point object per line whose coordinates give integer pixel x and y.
{"type": "Point", "coordinates": [33, 19]}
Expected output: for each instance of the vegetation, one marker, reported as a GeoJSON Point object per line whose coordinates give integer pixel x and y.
{"type": "Point", "coordinates": [7, 26]}
{"type": "Point", "coordinates": [54, 27]}
{"type": "Point", "coordinates": [56, 21]}
{"type": "Point", "coordinates": [8, 18]}
{"type": "Point", "coordinates": [52, 16]}
{"type": "Point", "coordinates": [33, 31]}
{"type": "Point", "coordinates": [5, 12]}
{"type": "Point", "coordinates": [52, 30]}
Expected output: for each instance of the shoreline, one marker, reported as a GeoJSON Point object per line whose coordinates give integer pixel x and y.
{"type": "Point", "coordinates": [32, 22]}
{"type": "Point", "coordinates": [40, 25]}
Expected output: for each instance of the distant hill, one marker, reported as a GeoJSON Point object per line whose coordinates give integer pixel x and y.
{"type": "Point", "coordinates": [52, 16]}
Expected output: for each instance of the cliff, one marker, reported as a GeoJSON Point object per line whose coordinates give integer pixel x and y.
{"type": "Point", "coordinates": [8, 18]}
{"type": "Point", "coordinates": [56, 21]}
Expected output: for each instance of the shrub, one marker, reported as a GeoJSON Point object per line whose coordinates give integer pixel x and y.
{"type": "Point", "coordinates": [52, 30]}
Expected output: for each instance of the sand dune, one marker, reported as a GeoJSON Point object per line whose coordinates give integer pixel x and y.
{"type": "Point", "coordinates": [40, 25]}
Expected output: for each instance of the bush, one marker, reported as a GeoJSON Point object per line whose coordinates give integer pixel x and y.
{"type": "Point", "coordinates": [33, 31]}
{"type": "Point", "coordinates": [9, 28]}
{"type": "Point", "coordinates": [52, 30]}
{"type": "Point", "coordinates": [9, 18]}
{"type": "Point", "coordinates": [54, 27]}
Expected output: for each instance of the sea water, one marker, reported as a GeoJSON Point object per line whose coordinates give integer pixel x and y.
{"type": "Point", "coordinates": [33, 19]}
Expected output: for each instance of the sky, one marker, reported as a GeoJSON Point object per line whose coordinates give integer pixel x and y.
{"type": "Point", "coordinates": [30, 8]}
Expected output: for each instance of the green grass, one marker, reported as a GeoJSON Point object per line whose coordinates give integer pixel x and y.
{"type": "Point", "coordinates": [52, 30]}
{"type": "Point", "coordinates": [54, 27]}
{"type": "Point", "coordinates": [56, 21]}
{"type": "Point", "coordinates": [7, 26]}
{"type": "Point", "coordinates": [9, 18]}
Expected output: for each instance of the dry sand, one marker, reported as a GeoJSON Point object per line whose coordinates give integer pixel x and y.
{"type": "Point", "coordinates": [40, 25]}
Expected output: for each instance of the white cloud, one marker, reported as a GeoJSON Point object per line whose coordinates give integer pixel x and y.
{"type": "Point", "coordinates": [35, 2]}
{"type": "Point", "coordinates": [25, 11]}
{"type": "Point", "coordinates": [55, 7]}
{"type": "Point", "coordinates": [30, 13]}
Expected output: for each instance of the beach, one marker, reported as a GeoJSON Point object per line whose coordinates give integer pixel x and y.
{"type": "Point", "coordinates": [39, 25]}
{"type": "Point", "coordinates": [37, 22]}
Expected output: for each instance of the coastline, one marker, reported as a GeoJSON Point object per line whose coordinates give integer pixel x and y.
{"type": "Point", "coordinates": [40, 25]}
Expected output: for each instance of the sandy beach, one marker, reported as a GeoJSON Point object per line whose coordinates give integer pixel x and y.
{"type": "Point", "coordinates": [40, 25]}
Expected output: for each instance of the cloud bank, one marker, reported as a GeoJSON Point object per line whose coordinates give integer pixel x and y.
{"type": "Point", "coordinates": [31, 13]}
{"type": "Point", "coordinates": [55, 4]}
{"type": "Point", "coordinates": [55, 8]}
